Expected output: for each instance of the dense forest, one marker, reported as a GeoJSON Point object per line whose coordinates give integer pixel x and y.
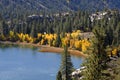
{"type": "Point", "coordinates": [39, 26]}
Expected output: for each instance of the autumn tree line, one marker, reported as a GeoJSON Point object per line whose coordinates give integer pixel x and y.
{"type": "Point", "coordinates": [52, 30]}
{"type": "Point", "coordinates": [60, 30]}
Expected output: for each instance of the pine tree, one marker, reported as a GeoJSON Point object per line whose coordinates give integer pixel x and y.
{"type": "Point", "coordinates": [5, 28]}
{"type": "Point", "coordinates": [66, 65]}
{"type": "Point", "coordinates": [33, 31]}
{"type": "Point", "coordinates": [59, 76]}
{"type": "Point", "coordinates": [58, 39]}
{"type": "Point", "coordinates": [97, 57]}
{"type": "Point", "coordinates": [1, 29]}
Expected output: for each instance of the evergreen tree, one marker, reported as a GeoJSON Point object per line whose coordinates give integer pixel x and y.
{"type": "Point", "coordinates": [1, 29]}
{"type": "Point", "coordinates": [58, 39]}
{"type": "Point", "coordinates": [33, 31]}
{"type": "Point", "coordinates": [59, 76]}
{"type": "Point", "coordinates": [66, 65]}
{"type": "Point", "coordinates": [95, 63]}
{"type": "Point", "coordinates": [5, 28]}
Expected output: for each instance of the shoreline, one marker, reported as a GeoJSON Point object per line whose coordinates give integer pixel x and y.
{"type": "Point", "coordinates": [60, 50]}
{"type": "Point", "coordinates": [47, 48]}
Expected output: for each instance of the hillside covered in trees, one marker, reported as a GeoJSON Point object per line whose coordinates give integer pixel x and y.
{"type": "Point", "coordinates": [72, 29]}
{"type": "Point", "coordinates": [15, 7]}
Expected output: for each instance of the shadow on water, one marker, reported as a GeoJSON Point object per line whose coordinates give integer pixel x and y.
{"type": "Point", "coordinates": [5, 46]}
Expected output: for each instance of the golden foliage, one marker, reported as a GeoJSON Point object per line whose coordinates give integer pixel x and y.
{"type": "Point", "coordinates": [65, 41]}
{"type": "Point", "coordinates": [75, 34]}
{"type": "Point", "coordinates": [25, 38]}
{"type": "Point", "coordinates": [114, 52]}
{"type": "Point", "coordinates": [2, 37]}
{"type": "Point", "coordinates": [70, 39]}
{"type": "Point", "coordinates": [78, 44]}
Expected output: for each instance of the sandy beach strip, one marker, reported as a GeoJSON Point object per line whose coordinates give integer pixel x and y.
{"type": "Point", "coordinates": [60, 50]}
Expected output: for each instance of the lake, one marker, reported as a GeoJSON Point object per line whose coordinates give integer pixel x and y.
{"type": "Point", "coordinates": [22, 63]}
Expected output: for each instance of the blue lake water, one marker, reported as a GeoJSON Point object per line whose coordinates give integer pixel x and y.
{"type": "Point", "coordinates": [18, 63]}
